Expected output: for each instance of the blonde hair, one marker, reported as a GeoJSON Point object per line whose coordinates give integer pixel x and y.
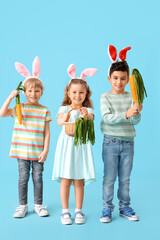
{"type": "Point", "coordinates": [33, 82]}
{"type": "Point", "coordinates": [87, 102]}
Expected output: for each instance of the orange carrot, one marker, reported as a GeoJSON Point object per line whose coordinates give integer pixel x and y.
{"type": "Point", "coordinates": [19, 113]}
{"type": "Point", "coordinates": [18, 107]}
{"type": "Point", "coordinates": [133, 88]}
{"type": "Point", "coordinates": [137, 86]}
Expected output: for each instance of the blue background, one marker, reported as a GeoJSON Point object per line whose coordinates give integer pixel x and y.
{"type": "Point", "coordinates": [63, 32]}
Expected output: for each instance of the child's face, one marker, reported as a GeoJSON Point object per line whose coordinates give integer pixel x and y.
{"type": "Point", "coordinates": [77, 94]}
{"type": "Point", "coordinates": [33, 94]}
{"type": "Point", "coordinates": [118, 81]}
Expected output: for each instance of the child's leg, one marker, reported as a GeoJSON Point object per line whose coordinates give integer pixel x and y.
{"type": "Point", "coordinates": [37, 176]}
{"type": "Point", "coordinates": [110, 158]}
{"type": "Point", "coordinates": [64, 192]}
{"type": "Point", "coordinates": [124, 172]}
{"type": "Point", "coordinates": [79, 192]}
{"type": "Point", "coordinates": [79, 195]}
{"type": "Point", "coordinates": [24, 170]}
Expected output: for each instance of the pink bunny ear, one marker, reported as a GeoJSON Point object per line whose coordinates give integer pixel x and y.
{"type": "Point", "coordinates": [36, 67]}
{"type": "Point", "coordinates": [22, 69]}
{"type": "Point", "coordinates": [88, 72]}
{"type": "Point", "coordinates": [71, 71]}
{"type": "Point", "coordinates": [112, 52]}
{"type": "Point", "coordinates": [123, 52]}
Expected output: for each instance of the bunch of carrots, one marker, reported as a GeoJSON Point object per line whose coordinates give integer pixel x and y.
{"type": "Point", "coordinates": [84, 131]}
{"type": "Point", "coordinates": [18, 105]}
{"type": "Point", "coordinates": [137, 86]}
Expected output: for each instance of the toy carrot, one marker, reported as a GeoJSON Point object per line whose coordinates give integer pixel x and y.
{"type": "Point", "coordinates": [18, 105]}
{"type": "Point", "coordinates": [137, 86]}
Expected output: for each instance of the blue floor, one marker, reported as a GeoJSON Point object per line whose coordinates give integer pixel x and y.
{"type": "Point", "coordinates": [34, 227]}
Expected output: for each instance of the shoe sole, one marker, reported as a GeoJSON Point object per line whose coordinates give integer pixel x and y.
{"type": "Point", "coordinates": [105, 220]}
{"type": "Point", "coordinates": [130, 218]}
{"type": "Point", "coordinates": [46, 215]}
{"type": "Point", "coordinates": [20, 216]}
{"type": "Point", "coordinates": [79, 221]}
{"type": "Point", "coordinates": [63, 221]}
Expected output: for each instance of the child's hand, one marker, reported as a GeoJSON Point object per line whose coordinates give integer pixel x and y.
{"type": "Point", "coordinates": [13, 94]}
{"type": "Point", "coordinates": [84, 112]}
{"type": "Point", "coordinates": [43, 157]}
{"type": "Point", "coordinates": [66, 117]}
{"type": "Point", "coordinates": [63, 117]}
{"type": "Point", "coordinates": [133, 111]}
{"type": "Point", "coordinates": [139, 107]}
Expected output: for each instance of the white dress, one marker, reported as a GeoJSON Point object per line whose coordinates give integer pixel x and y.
{"type": "Point", "coordinates": [73, 162]}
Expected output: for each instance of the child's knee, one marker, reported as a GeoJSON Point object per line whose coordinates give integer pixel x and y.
{"type": "Point", "coordinates": [37, 176]}
{"type": "Point", "coordinates": [24, 176]}
{"type": "Point", "coordinates": [66, 183]}
{"type": "Point", "coordinates": [108, 182]}
{"type": "Point", "coordinates": [78, 183]}
{"type": "Point", "coordinates": [124, 180]}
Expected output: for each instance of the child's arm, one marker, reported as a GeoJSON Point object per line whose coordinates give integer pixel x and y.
{"type": "Point", "coordinates": [62, 118]}
{"type": "Point", "coordinates": [131, 115]}
{"type": "Point", "coordinates": [133, 111]}
{"type": "Point", "coordinates": [108, 116]}
{"type": "Point", "coordinates": [85, 113]}
{"type": "Point", "coordinates": [4, 111]}
{"type": "Point", "coordinates": [43, 155]}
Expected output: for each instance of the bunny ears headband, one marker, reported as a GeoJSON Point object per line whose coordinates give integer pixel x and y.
{"type": "Point", "coordinates": [113, 53]}
{"type": "Point", "coordinates": [88, 72]}
{"type": "Point", "coordinates": [24, 71]}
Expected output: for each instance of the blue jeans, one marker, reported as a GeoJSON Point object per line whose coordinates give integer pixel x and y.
{"type": "Point", "coordinates": [24, 173]}
{"type": "Point", "coordinates": [118, 160]}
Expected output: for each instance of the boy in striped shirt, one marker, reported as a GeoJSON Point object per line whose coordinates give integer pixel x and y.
{"type": "Point", "coordinates": [119, 115]}
{"type": "Point", "coordinates": [30, 143]}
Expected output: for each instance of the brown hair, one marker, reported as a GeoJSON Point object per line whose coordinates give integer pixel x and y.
{"type": "Point", "coordinates": [87, 102]}
{"type": "Point", "coordinates": [33, 82]}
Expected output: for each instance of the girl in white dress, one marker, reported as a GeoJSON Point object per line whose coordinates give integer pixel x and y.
{"type": "Point", "coordinates": [74, 163]}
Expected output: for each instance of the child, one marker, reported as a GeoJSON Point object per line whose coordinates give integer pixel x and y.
{"type": "Point", "coordinates": [30, 141]}
{"type": "Point", "coordinates": [74, 163]}
{"type": "Point", "coordinates": [118, 118]}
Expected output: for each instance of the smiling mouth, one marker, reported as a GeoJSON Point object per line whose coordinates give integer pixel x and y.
{"type": "Point", "coordinates": [33, 99]}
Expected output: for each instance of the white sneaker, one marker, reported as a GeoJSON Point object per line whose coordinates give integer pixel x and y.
{"type": "Point", "coordinates": [21, 211]}
{"type": "Point", "coordinates": [79, 218]}
{"type": "Point", "coordinates": [41, 211]}
{"type": "Point", "coordinates": [66, 218]}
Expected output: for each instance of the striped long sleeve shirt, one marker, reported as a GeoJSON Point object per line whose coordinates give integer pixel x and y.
{"type": "Point", "coordinates": [28, 138]}
{"type": "Point", "coordinates": [114, 122]}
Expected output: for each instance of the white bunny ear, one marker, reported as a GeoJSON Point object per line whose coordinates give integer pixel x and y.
{"type": "Point", "coordinates": [88, 72]}
{"type": "Point", "coordinates": [112, 52]}
{"type": "Point", "coordinates": [36, 67]}
{"type": "Point", "coordinates": [71, 71]}
{"type": "Point", "coordinates": [22, 69]}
